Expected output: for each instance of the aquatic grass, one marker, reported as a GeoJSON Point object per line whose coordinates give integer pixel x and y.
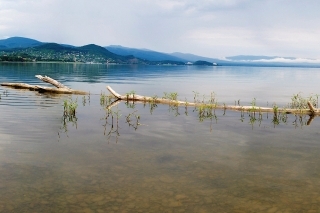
{"type": "Point", "coordinates": [69, 107]}
{"type": "Point", "coordinates": [153, 103]}
{"type": "Point", "coordinates": [195, 98]}
{"type": "Point", "coordinates": [174, 108]}
{"type": "Point", "coordinates": [154, 98]}
{"type": "Point", "coordinates": [186, 107]}
{"type": "Point", "coordinates": [114, 124]}
{"type": "Point", "coordinates": [132, 92]}
{"type": "Point", "coordinates": [173, 102]}
{"type": "Point", "coordinates": [252, 119]}
{"type": "Point", "coordinates": [152, 106]}
{"type": "Point", "coordinates": [130, 105]}
{"type": "Point", "coordinates": [212, 97]}
{"type": "Point", "coordinates": [300, 102]}
{"type": "Point", "coordinates": [105, 99]}
{"type": "Point", "coordinates": [206, 106]}
{"type": "Point", "coordinates": [205, 111]}
{"type": "Point", "coordinates": [84, 101]}
{"type": "Point", "coordinates": [69, 114]}
{"type": "Point", "coordinates": [275, 108]}
{"type": "Point", "coordinates": [171, 96]}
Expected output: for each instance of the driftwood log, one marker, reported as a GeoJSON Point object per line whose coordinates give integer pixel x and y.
{"type": "Point", "coordinates": [138, 98]}
{"type": "Point", "coordinates": [60, 88]}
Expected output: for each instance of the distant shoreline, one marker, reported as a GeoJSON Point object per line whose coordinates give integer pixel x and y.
{"type": "Point", "coordinates": [61, 62]}
{"type": "Point", "coordinates": [219, 65]}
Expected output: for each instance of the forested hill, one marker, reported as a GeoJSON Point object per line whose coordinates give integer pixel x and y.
{"type": "Point", "coordinates": [55, 52]}
{"type": "Point", "coordinates": [18, 42]}
{"type": "Point", "coordinates": [66, 53]}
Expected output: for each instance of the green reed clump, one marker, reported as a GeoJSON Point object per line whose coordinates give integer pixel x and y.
{"type": "Point", "coordinates": [205, 111]}
{"type": "Point", "coordinates": [105, 99]}
{"type": "Point", "coordinates": [299, 102]}
{"type": "Point", "coordinates": [154, 99]}
{"type": "Point", "coordinates": [132, 92]}
{"type": "Point", "coordinates": [70, 107]}
{"type": "Point", "coordinates": [275, 108]}
{"type": "Point", "coordinates": [205, 107]}
{"type": "Point", "coordinates": [173, 97]}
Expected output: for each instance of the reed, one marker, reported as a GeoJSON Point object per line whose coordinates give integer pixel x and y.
{"type": "Point", "coordinates": [105, 99]}
{"type": "Point", "coordinates": [300, 102]}
{"type": "Point", "coordinates": [113, 124]}
{"type": "Point", "coordinates": [84, 100]}
{"type": "Point", "coordinates": [69, 107]}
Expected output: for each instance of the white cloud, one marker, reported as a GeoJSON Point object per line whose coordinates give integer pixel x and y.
{"type": "Point", "coordinates": [213, 28]}
{"type": "Point", "coordinates": [286, 60]}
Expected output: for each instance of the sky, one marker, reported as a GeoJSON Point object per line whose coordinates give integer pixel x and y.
{"type": "Point", "coordinates": [211, 28]}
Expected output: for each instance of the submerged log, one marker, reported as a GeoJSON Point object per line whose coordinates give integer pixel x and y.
{"type": "Point", "coordinates": [60, 88]}
{"type": "Point", "coordinates": [19, 86]}
{"type": "Point", "coordinates": [255, 109]}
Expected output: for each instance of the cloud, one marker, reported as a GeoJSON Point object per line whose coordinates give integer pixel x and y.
{"type": "Point", "coordinates": [213, 28]}
{"type": "Point", "coordinates": [287, 60]}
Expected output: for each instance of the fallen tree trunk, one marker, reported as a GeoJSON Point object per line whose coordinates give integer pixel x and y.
{"type": "Point", "coordinates": [255, 109]}
{"type": "Point", "coordinates": [60, 88]}
{"type": "Point", "coordinates": [52, 81]}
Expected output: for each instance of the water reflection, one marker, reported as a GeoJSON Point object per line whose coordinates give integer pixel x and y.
{"type": "Point", "coordinates": [115, 118]}
{"type": "Point", "coordinates": [112, 125]}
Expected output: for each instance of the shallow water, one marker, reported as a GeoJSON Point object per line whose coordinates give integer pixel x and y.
{"type": "Point", "coordinates": [172, 161]}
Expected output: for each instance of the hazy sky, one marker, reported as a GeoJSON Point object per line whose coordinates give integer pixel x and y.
{"type": "Point", "coordinates": [213, 28]}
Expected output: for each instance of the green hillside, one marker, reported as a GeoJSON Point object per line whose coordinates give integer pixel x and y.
{"type": "Point", "coordinates": [18, 49]}
{"type": "Point", "coordinates": [55, 52]}
{"type": "Point", "coordinates": [18, 42]}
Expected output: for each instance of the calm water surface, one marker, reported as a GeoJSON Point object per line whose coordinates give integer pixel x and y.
{"type": "Point", "coordinates": [157, 158]}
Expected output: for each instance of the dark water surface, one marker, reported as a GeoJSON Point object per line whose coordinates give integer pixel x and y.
{"type": "Point", "coordinates": [157, 158]}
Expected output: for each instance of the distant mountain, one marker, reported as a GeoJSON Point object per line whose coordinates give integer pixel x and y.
{"type": "Point", "coordinates": [54, 47]}
{"type": "Point", "coordinates": [194, 58]}
{"type": "Point", "coordinates": [87, 49]}
{"type": "Point", "coordinates": [145, 54]}
{"type": "Point", "coordinates": [18, 42]}
{"type": "Point", "coordinates": [26, 49]}
{"type": "Point", "coordinates": [95, 49]}
{"type": "Point", "coordinates": [64, 53]}
{"type": "Point", "coordinates": [158, 56]}
{"type": "Point", "coordinates": [55, 52]}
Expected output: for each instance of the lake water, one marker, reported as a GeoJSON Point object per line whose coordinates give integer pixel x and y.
{"type": "Point", "coordinates": [157, 158]}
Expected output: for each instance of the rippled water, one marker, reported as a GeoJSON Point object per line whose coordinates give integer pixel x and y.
{"type": "Point", "coordinates": [157, 158]}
